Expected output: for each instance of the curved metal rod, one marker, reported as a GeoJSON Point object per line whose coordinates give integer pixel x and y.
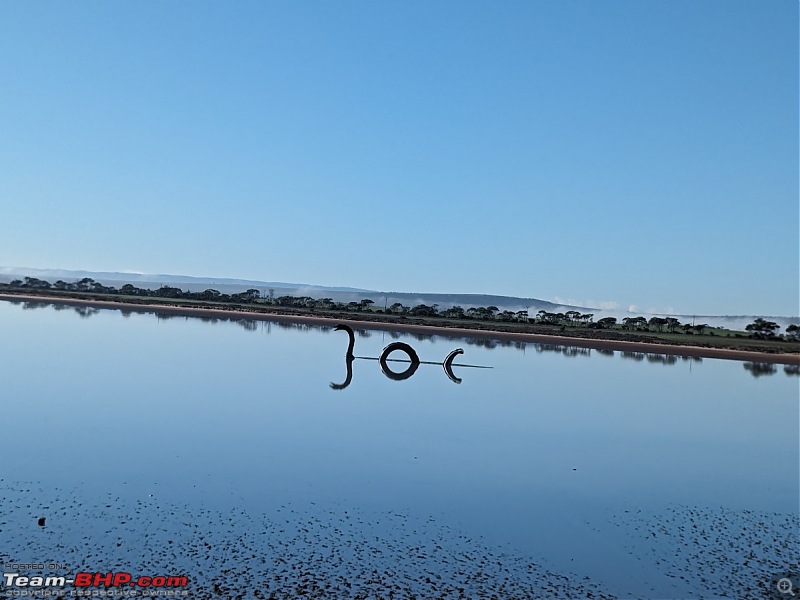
{"type": "Point", "coordinates": [384, 360]}
{"type": "Point", "coordinates": [448, 365]}
{"type": "Point", "coordinates": [351, 335]}
{"type": "Point", "coordinates": [399, 375]}
{"type": "Point", "coordinates": [426, 362]}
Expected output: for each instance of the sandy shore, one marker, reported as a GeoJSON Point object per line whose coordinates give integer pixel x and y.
{"type": "Point", "coordinates": [453, 332]}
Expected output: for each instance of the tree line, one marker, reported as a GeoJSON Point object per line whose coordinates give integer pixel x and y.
{"type": "Point", "coordinates": [758, 329]}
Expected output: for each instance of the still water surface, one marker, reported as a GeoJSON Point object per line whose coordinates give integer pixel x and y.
{"type": "Point", "coordinates": [646, 476]}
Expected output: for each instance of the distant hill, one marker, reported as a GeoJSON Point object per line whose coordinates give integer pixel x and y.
{"type": "Point", "coordinates": [466, 301]}
{"type": "Point", "coordinates": [339, 294]}
{"type": "Point", "coordinates": [139, 279]}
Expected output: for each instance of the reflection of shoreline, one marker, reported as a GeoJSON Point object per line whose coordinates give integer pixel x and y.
{"type": "Point", "coordinates": [427, 330]}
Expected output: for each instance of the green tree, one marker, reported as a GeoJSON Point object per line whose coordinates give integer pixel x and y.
{"type": "Point", "coordinates": [634, 323]}
{"type": "Point", "coordinates": [422, 310]}
{"type": "Point", "coordinates": [607, 322]}
{"type": "Point", "coordinates": [455, 312]}
{"type": "Point", "coordinates": [763, 329]}
{"type": "Point", "coordinates": [84, 284]}
{"type": "Point", "coordinates": [547, 317]}
{"type": "Point", "coordinates": [36, 284]}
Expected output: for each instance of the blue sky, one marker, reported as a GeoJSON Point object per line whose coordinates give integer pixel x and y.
{"type": "Point", "coordinates": [617, 152]}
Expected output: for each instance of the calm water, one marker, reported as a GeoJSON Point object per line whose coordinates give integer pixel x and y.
{"type": "Point", "coordinates": [644, 476]}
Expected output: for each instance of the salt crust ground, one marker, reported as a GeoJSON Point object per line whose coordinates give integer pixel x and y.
{"type": "Point", "coordinates": [315, 551]}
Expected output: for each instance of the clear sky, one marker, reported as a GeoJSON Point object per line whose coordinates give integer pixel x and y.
{"type": "Point", "coordinates": [619, 152]}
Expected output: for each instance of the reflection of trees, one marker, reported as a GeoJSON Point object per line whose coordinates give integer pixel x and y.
{"type": "Point", "coordinates": [482, 343]}
{"type": "Point", "coordinates": [756, 369]}
{"type": "Point", "coordinates": [577, 351]}
{"type": "Point", "coordinates": [248, 324]}
{"type": "Point", "coordinates": [651, 357]}
{"type": "Point", "coordinates": [305, 327]}
{"type": "Point", "coordinates": [84, 312]}
{"type": "Point", "coordinates": [33, 305]}
{"type": "Point", "coordinates": [562, 349]}
{"type": "Point", "coordinates": [664, 359]}
{"type": "Point", "coordinates": [759, 369]}
{"type": "Point", "coordinates": [547, 348]}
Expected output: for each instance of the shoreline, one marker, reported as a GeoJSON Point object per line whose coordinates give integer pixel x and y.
{"type": "Point", "coordinates": [456, 332]}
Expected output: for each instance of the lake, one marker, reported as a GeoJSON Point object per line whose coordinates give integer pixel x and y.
{"type": "Point", "coordinates": [219, 450]}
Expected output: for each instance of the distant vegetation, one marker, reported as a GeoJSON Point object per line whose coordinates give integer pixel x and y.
{"type": "Point", "coordinates": [760, 329]}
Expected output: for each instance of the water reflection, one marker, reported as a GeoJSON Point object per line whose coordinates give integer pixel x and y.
{"type": "Point", "coordinates": [650, 357]}
{"type": "Point", "coordinates": [448, 365]}
{"type": "Point", "coordinates": [33, 305]}
{"type": "Point", "coordinates": [562, 349]}
{"type": "Point", "coordinates": [84, 312]}
{"type": "Point", "coordinates": [348, 378]}
{"type": "Point", "coordinates": [413, 360]}
{"type": "Point", "coordinates": [248, 323]}
{"type": "Point", "coordinates": [759, 369]}
{"type": "Point", "coordinates": [556, 468]}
